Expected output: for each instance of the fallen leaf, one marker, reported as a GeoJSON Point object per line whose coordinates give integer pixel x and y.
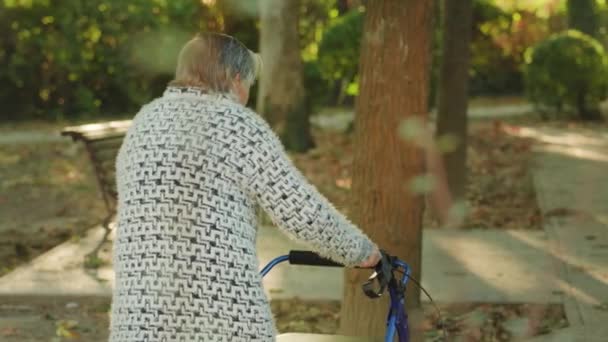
{"type": "Point", "coordinates": [9, 331]}
{"type": "Point", "coordinates": [65, 329]}
{"type": "Point", "coordinates": [344, 183]}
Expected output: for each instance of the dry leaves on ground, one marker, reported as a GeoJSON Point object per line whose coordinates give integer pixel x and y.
{"type": "Point", "coordinates": [39, 319]}
{"type": "Point", "coordinates": [296, 315]}
{"type": "Point", "coordinates": [501, 190]}
{"type": "Point", "coordinates": [48, 194]}
{"type": "Point", "coordinates": [500, 193]}
{"type": "Point", "coordinates": [329, 166]}
{"type": "Point", "coordinates": [472, 322]}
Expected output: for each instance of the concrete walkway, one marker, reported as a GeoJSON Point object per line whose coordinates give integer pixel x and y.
{"type": "Point", "coordinates": [339, 121]}
{"type": "Point", "coordinates": [61, 272]}
{"type": "Point", "coordinates": [459, 266]}
{"type": "Point", "coordinates": [571, 179]}
{"type": "Point", "coordinates": [31, 137]}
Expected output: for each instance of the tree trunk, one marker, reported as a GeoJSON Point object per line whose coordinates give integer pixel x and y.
{"type": "Point", "coordinates": [585, 112]}
{"type": "Point", "coordinates": [394, 69]}
{"type": "Point", "coordinates": [453, 90]}
{"type": "Point", "coordinates": [281, 88]}
{"type": "Point", "coordinates": [343, 6]}
{"type": "Point", "coordinates": [583, 16]}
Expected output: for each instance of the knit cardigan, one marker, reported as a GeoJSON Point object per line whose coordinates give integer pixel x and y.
{"type": "Point", "coordinates": [190, 173]}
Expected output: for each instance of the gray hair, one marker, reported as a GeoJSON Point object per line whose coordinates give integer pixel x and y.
{"type": "Point", "coordinates": [212, 61]}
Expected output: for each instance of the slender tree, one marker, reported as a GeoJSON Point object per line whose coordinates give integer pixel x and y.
{"type": "Point", "coordinates": [583, 16]}
{"type": "Point", "coordinates": [281, 96]}
{"type": "Point", "coordinates": [343, 6]}
{"type": "Point", "coordinates": [453, 89]}
{"type": "Point", "coordinates": [394, 69]}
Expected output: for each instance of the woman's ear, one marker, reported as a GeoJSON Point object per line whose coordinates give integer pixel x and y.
{"type": "Point", "coordinates": [240, 89]}
{"type": "Point", "coordinates": [238, 81]}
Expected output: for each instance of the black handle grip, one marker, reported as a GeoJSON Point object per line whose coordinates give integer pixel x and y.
{"type": "Point", "coordinates": [383, 276]}
{"type": "Point", "coordinates": [310, 259]}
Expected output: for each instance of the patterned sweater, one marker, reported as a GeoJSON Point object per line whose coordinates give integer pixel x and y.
{"type": "Point", "coordinates": [190, 173]}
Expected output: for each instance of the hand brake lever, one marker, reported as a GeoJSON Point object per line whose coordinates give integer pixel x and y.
{"type": "Point", "coordinates": [383, 275]}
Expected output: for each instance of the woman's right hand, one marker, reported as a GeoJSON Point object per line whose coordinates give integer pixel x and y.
{"type": "Point", "coordinates": [372, 260]}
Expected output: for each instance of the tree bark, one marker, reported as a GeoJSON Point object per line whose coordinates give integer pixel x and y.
{"type": "Point", "coordinates": [343, 6]}
{"type": "Point", "coordinates": [453, 89]}
{"type": "Point", "coordinates": [583, 16]}
{"type": "Point", "coordinates": [281, 90]}
{"type": "Point", "coordinates": [394, 69]}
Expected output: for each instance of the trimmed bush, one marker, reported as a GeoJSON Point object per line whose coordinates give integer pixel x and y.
{"type": "Point", "coordinates": [338, 58]}
{"type": "Point", "coordinates": [567, 74]}
{"type": "Point", "coordinates": [318, 89]}
{"type": "Point", "coordinates": [495, 67]}
{"type": "Point", "coordinates": [74, 58]}
{"type": "Point", "coordinates": [339, 47]}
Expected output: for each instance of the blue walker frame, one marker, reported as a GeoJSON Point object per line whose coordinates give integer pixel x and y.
{"type": "Point", "coordinates": [397, 320]}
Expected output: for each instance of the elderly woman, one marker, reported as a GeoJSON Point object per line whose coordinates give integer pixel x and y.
{"type": "Point", "coordinates": [190, 172]}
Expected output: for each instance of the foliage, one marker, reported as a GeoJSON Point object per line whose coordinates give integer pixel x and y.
{"type": "Point", "coordinates": [74, 58]}
{"type": "Point", "coordinates": [339, 48]}
{"type": "Point", "coordinates": [315, 16]}
{"type": "Point", "coordinates": [71, 57]}
{"type": "Point", "coordinates": [500, 39]}
{"type": "Point", "coordinates": [492, 70]}
{"type": "Point", "coordinates": [318, 89]}
{"type": "Point", "coordinates": [567, 73]}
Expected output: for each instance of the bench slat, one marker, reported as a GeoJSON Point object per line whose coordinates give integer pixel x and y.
{"type": "Point", "coordinates": [106, 154]}
{"type": "Point", "coordinates": [110, 143]}
{"type": "Point", "coordinates": [103, 141]}
{"type": "Point", "coordinates": [96, 131]}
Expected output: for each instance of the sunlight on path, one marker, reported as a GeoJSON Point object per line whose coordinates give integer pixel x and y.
{"type": "Point", "coordinates": [570, 178]}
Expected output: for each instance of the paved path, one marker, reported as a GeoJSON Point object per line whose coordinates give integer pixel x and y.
{"type": "Point", "coordinates": [571, 173]}
{"type": "Point", "coordinates": [459, 266]}
{"type": "Point", "coordinates": [29, 137]}
{"type": "Point", "coordinates": [335, 121]}
{"type": "Point", "coordinates": [339, 121]}
{"type": "Point", "coordinates": [60, 272]}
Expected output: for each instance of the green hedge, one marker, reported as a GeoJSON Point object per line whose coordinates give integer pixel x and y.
{"type": "Point", "coordinates": [339, 48]}
{"type": "Point", "coordinates": [567, 74]}
{"type": "Point", "coordinates": [69, 58]}
{"type": "Point", "coordinates": [66, 58]}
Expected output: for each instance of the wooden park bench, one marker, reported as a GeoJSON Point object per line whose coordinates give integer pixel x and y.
{"type": "Point", "coordinates": [102, 142]}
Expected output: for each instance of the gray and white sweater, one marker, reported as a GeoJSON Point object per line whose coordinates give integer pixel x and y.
{"type": "Point", "coordinates": [189, 174]}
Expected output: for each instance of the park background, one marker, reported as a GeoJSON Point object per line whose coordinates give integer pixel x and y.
{"type": "Point", "coordinates": [524, 81]}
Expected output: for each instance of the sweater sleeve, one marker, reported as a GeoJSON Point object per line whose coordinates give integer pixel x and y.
{"type": "Point", "coordinates": [295, 205]}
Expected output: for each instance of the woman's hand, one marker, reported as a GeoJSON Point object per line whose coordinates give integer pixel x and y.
{"type": "Point", "coordinates": [372, 260]}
